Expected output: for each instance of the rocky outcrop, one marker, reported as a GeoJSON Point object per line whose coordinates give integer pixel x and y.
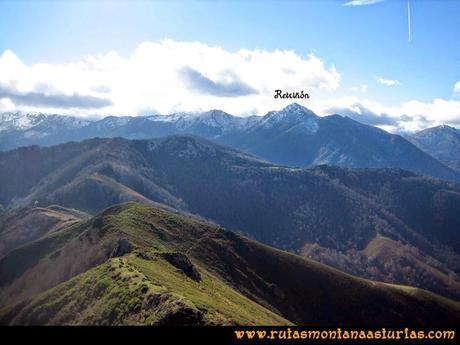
{"type": "Point", "coordinates": [183, 263]}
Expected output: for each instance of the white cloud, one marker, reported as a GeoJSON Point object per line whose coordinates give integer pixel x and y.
{"type": "Point", "coordinates": [387, 82]}
{"type": "Point", "coordinates": [165, 77]}
{"type": "Point", "coordinates": [457, 88]}
{"type": "Point", "coordinates": [359, 88]}
{"type": "Point", "coordinates": [408, 116]}
{"type": "Point", "coordinates": [361, 2]}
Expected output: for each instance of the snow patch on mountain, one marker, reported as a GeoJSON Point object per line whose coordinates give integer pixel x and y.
{"type": "Point", "coordinates": [24, 121]}
{"type": "Point", "coordinates": [216, 119]}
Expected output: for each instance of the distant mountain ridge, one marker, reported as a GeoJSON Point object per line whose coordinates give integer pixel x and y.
{"type": "Point", "coordinates": [293, 136]}
{"type": "Point", "coordinates": [442, 142]}
{"type": "Point", "coordinates": [25, 121]}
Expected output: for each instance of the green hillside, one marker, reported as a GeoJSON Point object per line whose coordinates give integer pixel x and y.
{"type": "Point", "coordinates": [140, 264]}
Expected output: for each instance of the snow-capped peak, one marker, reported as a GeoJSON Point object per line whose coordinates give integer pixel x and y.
{"type": "Point", "coordinates": [293, 114]}
{"type": "Point", "coordinates": [295, 108]}
{"type": "Point", "coordinates": [448, 129]}
{"type": "Point", "coordinates": [217, 118]}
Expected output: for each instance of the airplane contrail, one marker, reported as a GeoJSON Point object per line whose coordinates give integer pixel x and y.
{"type": "Point", "coordinates": [408, 20]}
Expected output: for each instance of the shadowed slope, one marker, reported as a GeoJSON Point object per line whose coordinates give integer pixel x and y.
{"type": "Point", "coordinates": [26, 225]}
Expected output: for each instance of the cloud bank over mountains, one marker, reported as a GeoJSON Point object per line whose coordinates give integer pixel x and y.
{"type": "Point", "coordinates": [163, 77]}
{"type": "Point", "coordinates": [54, 100]}
{"type": "Point", "coordinates": [408, 116]}
{"type": "Point", "coordinates": [171, 76]}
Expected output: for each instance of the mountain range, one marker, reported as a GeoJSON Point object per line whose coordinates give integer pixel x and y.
{"type": "Point", "coordinates": [174, 220]}
{"type": "Point", "coordinates": [384, 224]}
{"type": "Point", "coordinates": [136, 264]}
{"type": "Point", "coordinates": [441, 142]}
{"type": "Point", "coordinates": [293, 136]}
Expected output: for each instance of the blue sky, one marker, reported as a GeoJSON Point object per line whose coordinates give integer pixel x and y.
{"type": "Point", "coordinates": [363, 43]}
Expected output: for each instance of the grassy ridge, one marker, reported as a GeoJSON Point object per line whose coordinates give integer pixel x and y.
{"type": "Point", "coordinates": [239, 282]}
{"type": "Point", "coordinates": [132, 290]}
